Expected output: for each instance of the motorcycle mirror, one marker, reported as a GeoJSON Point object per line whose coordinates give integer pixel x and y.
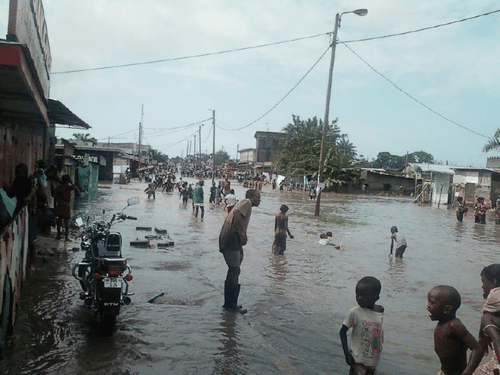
{"type": "Point", "coordinates": [133, 201]}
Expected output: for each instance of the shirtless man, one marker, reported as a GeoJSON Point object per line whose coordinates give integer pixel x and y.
{"type": "Point", "coordinates": [451, 338]}
{"type": "Point", "coordinates": [280, 231]}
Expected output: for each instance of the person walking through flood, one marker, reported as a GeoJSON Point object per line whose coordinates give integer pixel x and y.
{"type": "Point", "coordinates": [400, 242]}
{"type": "Point", "coordinates": [461, 209]}
{"type": "Point", "coordinates": [150, 190]}
{"type": "Point", "coordinates": [480, 209]}
{"type": "Point", "coordinates": [232, 238]}
{"type": "Point", "coordinates": [230, 200]}
{"type": "Point", "coordinates": [280, 231]}
{"type": "Point", "coordinates": [63, 208]}
{"type": "Point", "coordinates": [198, 199]}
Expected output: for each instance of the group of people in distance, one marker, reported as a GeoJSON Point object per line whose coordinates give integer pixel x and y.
{"type": "Point", "coordinates": [451, 337]}
{"type": "Point", "coordinates": [480, 209]}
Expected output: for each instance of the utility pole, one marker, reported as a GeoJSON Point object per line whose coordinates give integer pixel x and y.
{"type": "Point", "coordinates": [194, 151]}
{"type": "Point", "coordinates": [213, 150]}
{"type": "Point", "coordinates": [140, 134]}
{"type": "Point", "coordinates": [359, 12]}
{"type": "Point", "coordinates": [199, 132]}
{"type": "Point", "coordinates": [327, 113]}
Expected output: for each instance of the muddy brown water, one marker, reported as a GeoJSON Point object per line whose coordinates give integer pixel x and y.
{"type": "Point", "coordinates": [296, 302]}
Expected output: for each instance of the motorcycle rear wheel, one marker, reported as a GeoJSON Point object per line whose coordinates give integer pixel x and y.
{"type": "Point", "coordinates": [108, 323]}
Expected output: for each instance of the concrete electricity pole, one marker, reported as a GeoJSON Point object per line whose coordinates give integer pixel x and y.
{"type": "Point", "coordinates": [359, 12]}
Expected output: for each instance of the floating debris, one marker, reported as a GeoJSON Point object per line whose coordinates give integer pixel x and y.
{"type": "Point", "coordinates": [153, 300]}
{"type": "Point", "coordinates": [139, 243]}
{"type": "Point", "coordinates": [160, 231]}
{"type": "Point", "coordinates": [143, 228]}
{"type": "Point", "coordinates": [165, 244]}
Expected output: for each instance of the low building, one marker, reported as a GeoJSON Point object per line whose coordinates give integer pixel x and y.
{"type": "Point", "coordinates": [437, 181]}
{"type": "Point", "coordinates": [477, 182]}
{"type": "Point", "coordinates": [268, 146]}
{"type": "Point", "coordinates": [379, 180]}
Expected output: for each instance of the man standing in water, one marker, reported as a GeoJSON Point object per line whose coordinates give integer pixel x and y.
{"type": "Point", "coordinates": [280, 231]}
{"type": "Point", "coordinates": [233, 237]}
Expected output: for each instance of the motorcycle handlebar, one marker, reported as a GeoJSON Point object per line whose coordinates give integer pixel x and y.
{"type": "Point", "coordinates": [131, 218]}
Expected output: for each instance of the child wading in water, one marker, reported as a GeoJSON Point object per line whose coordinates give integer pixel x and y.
{"type": "Point", "coordinates": [280, 231]}
{"type": "Point", "coordinates": [451, 338]}
{"type": "Point", "coordinates": [400, 242]}
{"type": "Point", "coordinates": [366, 323]}
{"type": "Point", "coordinates": [489, 333]}
{"type": "Point", "coordinates": [461, 209]}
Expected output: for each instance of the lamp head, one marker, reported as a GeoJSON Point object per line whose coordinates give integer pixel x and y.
{"type": "Point", "coordinates": [361, 12]}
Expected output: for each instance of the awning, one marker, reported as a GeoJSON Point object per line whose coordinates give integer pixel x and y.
{"type": "Point", "coordinates": [59, 114]}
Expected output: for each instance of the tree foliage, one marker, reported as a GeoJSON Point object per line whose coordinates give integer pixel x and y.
{"type": "Point", "coordinates": [300, 152]}
{"type": "Point", "coordinates": [158, 156]}
{"type": "Point", "coordinates": [387, 161]}
{"type": "Point", "coordinates": [221, 157]}
{"type": "Point", "coordinates": [85, 138]}
{"type": "Point", "coordinates": [493, 144]}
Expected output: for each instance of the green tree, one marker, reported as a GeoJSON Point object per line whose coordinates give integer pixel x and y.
{"type": "Point", "coordinates": [86, 138]}
{"type": "Point", "coordinates": [158, 156]}
{"type": "Point", "coordinates": [493, 144]}
{"type": "Point", "coordinates": [386, 160]}
{"type": "Point", "coordinates": [300, 152]}
{"type": "Point", "coordinates": [422, 157]}
{"type": "Point", "coordinates": [221, 157]}
{"type": "Point", "coordinates": [346, 146]}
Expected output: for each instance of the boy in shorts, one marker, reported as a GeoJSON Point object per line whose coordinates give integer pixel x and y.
{"type": "Point", "coordinates": [366, 323]}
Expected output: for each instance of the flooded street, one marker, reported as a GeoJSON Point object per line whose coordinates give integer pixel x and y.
{"type": "Point", "coordinates": [296, 302]}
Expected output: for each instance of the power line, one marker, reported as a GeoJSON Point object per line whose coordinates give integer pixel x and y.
{"type": "Point", "coordinates": [423, 29]}
{"type": "Point", "coordinates": [288, 93]}
{"type": "Point", "coordinates": [182, 140]}
{"type": "Point", "coordinates": [208, 135]}
{"type": "Point", "coordinates": [269, 44]}
{"type": "Point", "coordinates": [182, 126]}
{"type": "Point", "coordinates": [191, 56]}
{"type": "Point", "coordinates": [411, 97]}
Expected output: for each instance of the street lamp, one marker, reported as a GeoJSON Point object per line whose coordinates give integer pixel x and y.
{"type": "Point", "coordinates": [359, 12]}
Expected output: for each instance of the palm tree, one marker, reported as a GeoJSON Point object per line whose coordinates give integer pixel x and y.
{"type": "Point", "coordinates": [346, 146]}
{"type": "Point", "coordinates": [85, 138]}
{"type": "Point", "coordinates": [493, 143]}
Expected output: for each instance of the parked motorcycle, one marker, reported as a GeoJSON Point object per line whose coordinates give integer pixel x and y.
{"type": "Point", "coordinates": [103, 273]}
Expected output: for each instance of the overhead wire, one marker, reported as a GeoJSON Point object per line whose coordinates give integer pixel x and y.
{"type": "Point", "coordinates": [410, 96]}
{"type": "Point", "coordinates": [381, 37]}
{"type": "Point", "coordinates": [286, 95]}
{"type": "Point", "coordinates": [422, 29]}
{"type": "Point", "coordinates": [208, 135]}
{"type": "Point", "coordinates": [293, 88]}
{"type": "Point", "coordinates": [190, 56]}
{"type": "Point", "coordinates": [269, 44]}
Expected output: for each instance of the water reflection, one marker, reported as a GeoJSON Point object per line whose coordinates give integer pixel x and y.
{"type": "Point", "coordinates": [279, 271]}
{"type": "Point", "coordinates": [228, 360]}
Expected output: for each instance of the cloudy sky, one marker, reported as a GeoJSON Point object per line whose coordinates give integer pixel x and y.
{"type": "Point", "coordinates": [434, 90]}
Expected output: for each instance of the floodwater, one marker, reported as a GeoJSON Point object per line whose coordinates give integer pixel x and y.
{"type": "Point", "coordinates": [296, 302]}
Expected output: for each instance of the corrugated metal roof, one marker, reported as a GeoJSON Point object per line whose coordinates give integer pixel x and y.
{"type": "Point", "coordinates": [60, 114]}
{"type": "Point", "coordinates": [435, 168]}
